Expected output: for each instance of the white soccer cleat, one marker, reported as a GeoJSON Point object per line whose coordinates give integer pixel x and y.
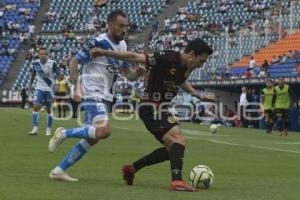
{"type": "Point", "coordinates": [48, 131]}
{"type": "Point", "coordinates": [57, 139]}
{"type": "Point", "coordinates": [61, 176]}
{"type": "Point", "coordinates": [34, 131]}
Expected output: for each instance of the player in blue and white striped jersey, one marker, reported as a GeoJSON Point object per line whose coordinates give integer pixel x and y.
{"type": "Point", "coordinates": [44, 70]}
{"type": "Point", "coordinates": [97, 79]}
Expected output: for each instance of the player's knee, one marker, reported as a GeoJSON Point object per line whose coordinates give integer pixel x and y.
{"type": "Point", "coordinates": [36, 109]}
{"type": "Point", "coordinates": [102, 132]}
{"type": "Point", "coordinates": [176, 138]}
{"type": "Point", "coordinates": [183, 140]}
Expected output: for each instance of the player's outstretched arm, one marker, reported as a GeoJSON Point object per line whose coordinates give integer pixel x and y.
{"type": "Point", "coordinates": [120, 55]}
{"type": "Point", "coordinates": [188, 88]}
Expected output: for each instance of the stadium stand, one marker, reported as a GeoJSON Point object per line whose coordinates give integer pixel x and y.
{"type": "Point", "coordinates": [212, 19]}
{"type": "Point", "coordinates": [219, 17]}
{"type": "Point", "coordinates": [208, 19]}
{"type": "Point", "coordinates": [15, 28]}
{"type": "Point", "coordinates": [287, 65]}
{"type": "Point", "coordinates": [74, 19]}
{"type": "Point", "coordinates": [86, 15]}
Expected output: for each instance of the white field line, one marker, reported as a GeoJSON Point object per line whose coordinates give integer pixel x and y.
{"type": "Point", "coordinates": [195, 132]}
{"type": "Point", "coordinates": [241, 145]}
{"type": "Point", "coordinates": [295, 143]}
{"type": "Point", "coordinates": [188, 132]}
{"type": "Point", "coordinates": [221, 142]}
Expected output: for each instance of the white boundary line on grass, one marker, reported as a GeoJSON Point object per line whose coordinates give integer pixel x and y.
{"type": "Point", "coordinates": [251, 146]}
{"type": "Point", "coordinates": [295, 143]}
{"type": "Point", "coordinates": [187, 131]}
{"type": "Point", "coordinates": [219, 141]}
{"type": "Point", "coordinates": [195, 132]}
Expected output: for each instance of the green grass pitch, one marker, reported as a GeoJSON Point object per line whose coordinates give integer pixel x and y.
{"type": "Point", "coordinates": [247, 163]}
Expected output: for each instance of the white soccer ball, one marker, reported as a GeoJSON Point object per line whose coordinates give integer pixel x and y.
{"type": "Point", "coordinates": [201, 176]}
{"type": "Point", "coordinates": [213, 128]}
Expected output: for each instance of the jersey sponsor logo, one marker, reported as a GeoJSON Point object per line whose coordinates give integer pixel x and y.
{"type": "Point", "coordinates": [172, 71]}
{"type": "Point", "coordinates": [170, 86]}
{"type": "Point", "coordinates": [112, 69]}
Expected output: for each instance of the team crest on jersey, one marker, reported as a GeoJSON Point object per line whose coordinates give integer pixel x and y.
{"type": "Point", "coordinates": [152, 60]}
{"type": "Point", "coordinates": [171, 120]}
{"type": "Point", "coordinates": [172, 71]}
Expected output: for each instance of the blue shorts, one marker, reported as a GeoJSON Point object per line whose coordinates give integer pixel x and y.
{"type": "Point", "coordinates": [41, 97]}
{"type": "Point", "coordinates": [94, 109]}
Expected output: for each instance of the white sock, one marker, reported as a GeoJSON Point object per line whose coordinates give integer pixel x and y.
{"type": "Point", "coordinates": [64, 133]}
{"type": "Point", "coordinates": [58, 169]}
{"type": "Point", "coordinates": [85, 144]}
{"type": "Point", "coordinates": [92, 132]}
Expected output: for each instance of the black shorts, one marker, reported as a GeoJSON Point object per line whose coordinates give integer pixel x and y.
{"type": "Point", "coordinates": [282, 113]}
{"type": "Point", "coordinates": [157, 125]}
{"type": "Point", "coordinates": [61, 96]}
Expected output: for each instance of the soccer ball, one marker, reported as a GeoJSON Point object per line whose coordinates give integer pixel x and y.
{"type": "Point", "coordinates": [201, 176]}
{"type": "Point", "coordinates": [213, 128]}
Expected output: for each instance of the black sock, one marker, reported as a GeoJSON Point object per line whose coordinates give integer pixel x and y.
{"type": "Point", "coordinates": [286, 125]}
{"type": "Point", "coordinates": [269, 125]}
{"type": "Point", "coordinates": [176, 154]}
{"type": "Point", "coordinates": [59, 110]}
{"type": "Point", "coordinates": [157, 156]}
{"type": "Point", "coordinates": [280, 125]}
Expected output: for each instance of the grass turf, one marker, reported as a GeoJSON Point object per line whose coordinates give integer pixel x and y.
{"type": "Point", "coordinates": [247, 163]}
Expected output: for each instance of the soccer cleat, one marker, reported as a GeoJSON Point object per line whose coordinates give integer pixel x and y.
{"type": "Point", "coordinates": [34, 131]}
{"type": "Point", "coordinates": [61, 176]}
{"type": "Point", "coordinates": [48, 131]}
{"type": "Point", "coordinates": [128, 174]}
{"type": "Point", "coordinates": [181, 186]}
{"type": "Point", "coordinates": [57, 139]}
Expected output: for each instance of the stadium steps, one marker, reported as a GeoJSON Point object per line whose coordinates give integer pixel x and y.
{"type": "Point", "coordinates": [169, 12]}
{"type": "Point", "coordinates": [20, 58]}
{"type": "Point", "coordinates": [291, 42]}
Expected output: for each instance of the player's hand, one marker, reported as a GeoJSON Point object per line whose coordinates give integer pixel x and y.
{"type": "Point", "coordinates": [77, 95]}
{"type": "Point", "coordinates": [140, 70]}
{"type": "Point", "coordinates": [94, 52]}
{"type": "Point", "coordinates": [208, 99]}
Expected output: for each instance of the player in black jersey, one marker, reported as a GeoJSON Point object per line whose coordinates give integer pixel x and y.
{"type": "Point", "coordinates": [167, 72]}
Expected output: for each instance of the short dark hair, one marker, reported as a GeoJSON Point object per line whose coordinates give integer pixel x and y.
{"type": "Point", "coordinates": [43, 49]}
{"type": "Point", "coordinates": [198, 46]}
{"type": "Point", "coordinates": [114, 14]}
